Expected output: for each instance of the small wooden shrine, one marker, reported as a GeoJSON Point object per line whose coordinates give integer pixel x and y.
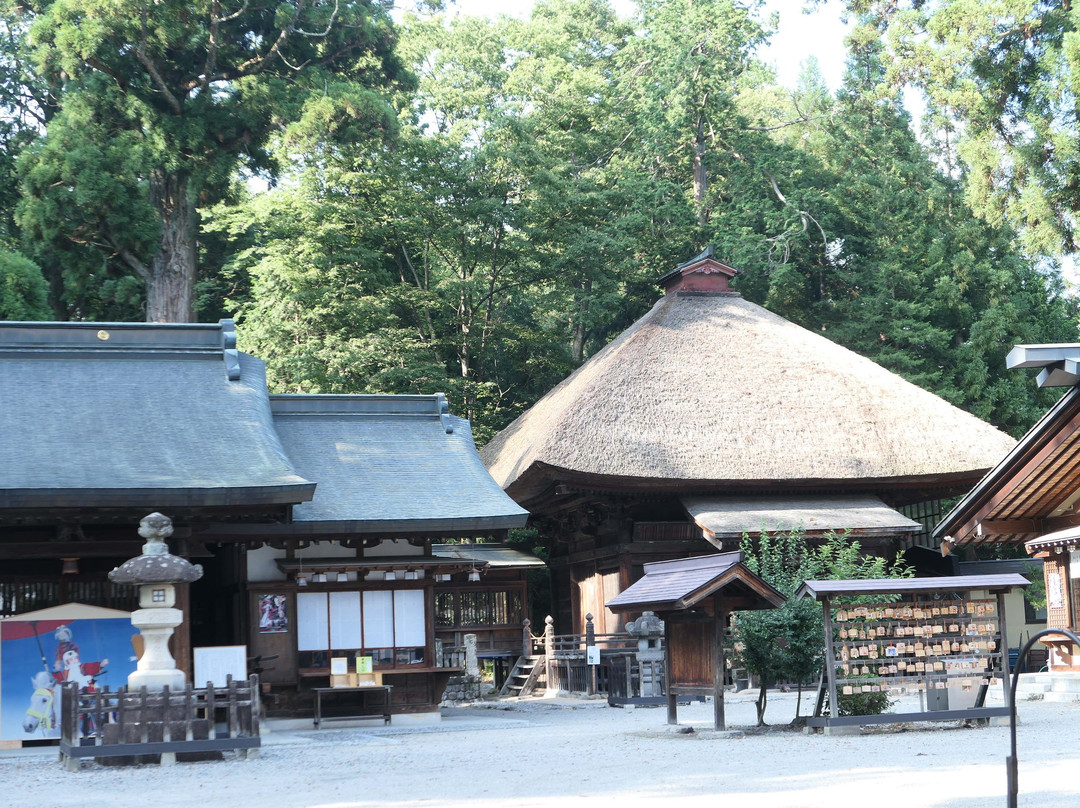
{"type": "Point", "coordinates": [695, 598]}
{"type": "Point", "coordinates": [915, 635]}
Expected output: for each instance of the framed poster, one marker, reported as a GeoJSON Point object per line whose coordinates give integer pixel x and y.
{"type": "Point", "coordinates": [40, 651]}
{"type": "Point", "coordinates": [273, 616]}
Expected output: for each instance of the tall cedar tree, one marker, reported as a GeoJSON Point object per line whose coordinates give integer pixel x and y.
{"type": "Point", "coordinates": [158, 105]}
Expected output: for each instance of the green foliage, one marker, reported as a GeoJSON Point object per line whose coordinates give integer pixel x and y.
{"type": "Point", "coordinates": [160, 104]}
{"type": "Point", "coordinates": [1001, 82]}
{"type": "Point", "coordinates": [860, 703]}
{"type": "Point", "coordinates": [788, 643]}
{"type": "Point", "coordinates": [482, 228]}
{"type": "Point", "coordinates": [1035, 593]}
{"type": "Point", "coordinates": [23, 290]}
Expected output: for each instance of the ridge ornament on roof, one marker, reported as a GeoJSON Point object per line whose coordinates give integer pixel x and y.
{"type": "Point", "coordinates": [703, 273]}
{"type": "Point", "coordinates": [79, 339]}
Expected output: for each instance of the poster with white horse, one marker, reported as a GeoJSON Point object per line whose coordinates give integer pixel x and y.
{"type": "Point", "coordinates": [41, 650]}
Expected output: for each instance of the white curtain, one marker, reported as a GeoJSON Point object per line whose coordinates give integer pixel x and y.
{"type": "Point", "coordinates": [378, 619]}
{"type": "Point", "coordinates": [409, 628]}
{"type": "Point", "coordinates": [312, 622]}
{"type": "Point", "coordinates": [345, 622]}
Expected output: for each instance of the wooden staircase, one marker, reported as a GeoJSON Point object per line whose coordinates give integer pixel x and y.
{"type": "Point", "coordinates": [524, 676]}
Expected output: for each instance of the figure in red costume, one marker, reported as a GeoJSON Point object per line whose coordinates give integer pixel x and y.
{"type": "Point", "coordinates": [69, 667]}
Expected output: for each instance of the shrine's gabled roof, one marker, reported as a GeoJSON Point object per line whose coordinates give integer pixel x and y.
{"type": "Point", "coordinates": [389, 464]}
{"type": "Point", "coordinates": [677, 585]}
{"type": "Point", "coordinates": [134, 415]}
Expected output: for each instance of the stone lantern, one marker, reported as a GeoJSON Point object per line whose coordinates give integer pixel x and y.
{"type": "Point", "coordinates": [156, 572]}
{"type": "Point", "coordinates": [649, 630]}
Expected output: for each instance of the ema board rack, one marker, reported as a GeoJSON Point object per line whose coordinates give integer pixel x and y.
{"type": "Point", "coordinates": [914, 647]}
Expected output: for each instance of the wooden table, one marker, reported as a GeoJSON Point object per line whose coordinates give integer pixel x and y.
{"type": "Point", "coordinates": [322, 691]}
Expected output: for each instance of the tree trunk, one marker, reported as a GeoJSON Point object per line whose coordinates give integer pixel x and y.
{"type": "Point", "coordinates": [170, 292]}
{"type": "Point", "coordinates": [578, 347]}
{"type": "Point", "coordinates": [701, 180]}
{"type": "Point", "coordinates": [762, 701]}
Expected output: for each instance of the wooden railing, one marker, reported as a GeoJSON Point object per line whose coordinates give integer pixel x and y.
{"type": "Point", "coordinates": [134, 723]}
{"type": "Point", "coordinates": [19, 597]}
{"type": "Point", "coordinates": [568, 669]}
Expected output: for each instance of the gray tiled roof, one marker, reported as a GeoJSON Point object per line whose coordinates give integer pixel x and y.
{"type": "Point", "coordinates": [136, 415]}
{"type": "Point", "coordinates": [389, 464]}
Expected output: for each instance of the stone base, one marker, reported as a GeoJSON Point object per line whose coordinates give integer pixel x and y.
{"type": "Point", "coordinates": [157, 680]}
{"type": "Point", "coordinates": [850, 729]}
{"type": "Point", "coordinates": [462, 689]}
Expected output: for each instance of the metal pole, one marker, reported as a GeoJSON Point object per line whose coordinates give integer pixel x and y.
{"type": "Point", "coordinates": [1011, 760]}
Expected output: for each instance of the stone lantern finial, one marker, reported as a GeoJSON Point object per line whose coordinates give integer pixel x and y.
{"type": "Point", "coordinates": [155, 528]}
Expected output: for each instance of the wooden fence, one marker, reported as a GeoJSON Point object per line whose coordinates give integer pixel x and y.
{"type": "Point", "coordinates": [136, 723]}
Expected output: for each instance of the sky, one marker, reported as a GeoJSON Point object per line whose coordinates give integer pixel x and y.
{"type": "Point", "coordinates": [799, 36]}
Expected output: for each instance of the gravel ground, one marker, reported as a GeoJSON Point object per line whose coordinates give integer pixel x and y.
{"type": "Point", "coordinates": [554, 752]}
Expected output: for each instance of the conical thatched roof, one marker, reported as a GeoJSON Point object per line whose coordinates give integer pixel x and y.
{"type": "Point", "coordinates": [710, 389]}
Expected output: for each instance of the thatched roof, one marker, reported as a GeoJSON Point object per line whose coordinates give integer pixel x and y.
{"type": "Point", "coordinates": [708, 389]}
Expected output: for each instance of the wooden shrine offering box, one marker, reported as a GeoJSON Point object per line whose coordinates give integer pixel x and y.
{"type": "Point", "coordinates": [363, 676]}
{"type": "Point", "coordinates": [339, 673]}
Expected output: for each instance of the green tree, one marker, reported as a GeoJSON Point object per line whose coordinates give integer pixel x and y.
{"type": "Point", "coordinates": [1002, 83]}
{"type": "Point", "coordinates": [788, 643]}
{"type": "Point", "coordinates": [680, 80]}
{"type": "Point", "coordinates": [902, 271]}
{"type": "Point", "coordinates": [160, 104]}
{"type": "Point", "coordinates": [23, 290]}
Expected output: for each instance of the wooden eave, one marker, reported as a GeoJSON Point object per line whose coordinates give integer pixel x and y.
{"type": "Point", "coordinates": [1016, 501]}
{"type": "Point", "coordinates": [1002, 582]}
{"type": "Point", "coordinates": [545, 489]}
{"type": "Point", "coordinates": [377, 563]}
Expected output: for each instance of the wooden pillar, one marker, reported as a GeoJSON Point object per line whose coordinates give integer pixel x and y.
{"type": "Point", "coordinates": [830, 658]}
{"type": "Point", "coordinates": [549, 654]}
{"type": "Point", "coordinates": [181, 638]}
{"type": "Point", "coordinates": [1003, 648]}
{"type": "Point", "coordinates": [590, 640]}
{"type": "Point", "coordinates": [669, 679]}
{"type": "Point", "coordinates": [429, 624]}
{"type": "Point", "coordinates": [719, 624]}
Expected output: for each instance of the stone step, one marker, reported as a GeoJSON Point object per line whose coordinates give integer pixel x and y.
{"type": "Point", "coordinates": [1061, 697]}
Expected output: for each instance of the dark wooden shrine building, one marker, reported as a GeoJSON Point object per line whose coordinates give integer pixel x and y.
{"type": "Point", "coordinates": [1031, 497]}
{"type": "Point", "coordinates": [710, 417]}
{"type": "Point", "coordinates": [331, 512]}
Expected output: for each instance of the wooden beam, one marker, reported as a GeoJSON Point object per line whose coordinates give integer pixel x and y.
{"type": "Point", "coordinates": [80, 549]}
{"type": "Point", "coordinates": [719, 665]}
{"type": "Point", "coordinates": [999, 527]}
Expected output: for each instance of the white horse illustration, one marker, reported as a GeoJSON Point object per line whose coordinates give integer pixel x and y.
{"type": "Point", "coordinates": [42, 710]}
